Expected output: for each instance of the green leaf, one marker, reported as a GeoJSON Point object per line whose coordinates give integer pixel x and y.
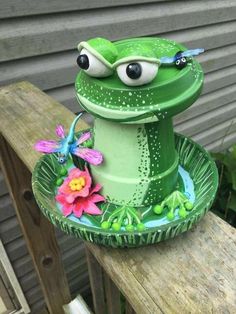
{"type": "Point", "coordinates": [233, 176]}
{"type": "Point", "coordinates": [233, 152]}
{"type": "Point", "coordinates": [232, 202]}
{"type": "Point", "coordinates": [218, 156]}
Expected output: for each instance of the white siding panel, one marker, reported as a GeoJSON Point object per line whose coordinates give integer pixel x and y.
{"type": "Point", "coordinates": [203, 122]}
{"type": "Point", "coordinates": [12, 8]}
{"type": "Point", "coordinates": [30, 36]}
{"type": "Point", "coordinates": [38, 42]}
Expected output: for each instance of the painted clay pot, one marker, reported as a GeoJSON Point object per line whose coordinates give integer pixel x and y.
{"type": "Point", "coordinates": [133, 124]}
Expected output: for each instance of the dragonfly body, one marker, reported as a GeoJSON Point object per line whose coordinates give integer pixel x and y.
{"type": "Point", "coordinates": [70, 145]}
{"type": "Point", "coordinates": [180, 58]}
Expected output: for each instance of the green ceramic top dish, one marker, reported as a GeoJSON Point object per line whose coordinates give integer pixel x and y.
{"type": "Point", "coordinates": [161, 91]}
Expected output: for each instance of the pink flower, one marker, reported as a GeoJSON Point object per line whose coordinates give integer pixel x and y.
{"type": "Point", "coordinates": [78, 183]}
{"type": "Point", "coordinates": [76, 195]}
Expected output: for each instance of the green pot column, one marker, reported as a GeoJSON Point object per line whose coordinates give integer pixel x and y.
{"type": "Point", "coordinates": [133, 171]}
{"type": "Point", "coordinates": [133, 126]}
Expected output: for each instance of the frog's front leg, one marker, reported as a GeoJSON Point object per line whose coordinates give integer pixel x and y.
{"type": "Point", "coordinates": [125, 216]}
{"type": "Point", "coordinates": [175, 201]}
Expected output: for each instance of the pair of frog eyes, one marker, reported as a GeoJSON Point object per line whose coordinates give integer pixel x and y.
{"type": "Point", "coordinates": [134, 73]}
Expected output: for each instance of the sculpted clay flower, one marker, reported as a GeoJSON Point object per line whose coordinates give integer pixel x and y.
{"type": "Point", "coordinates": [78, 183]}
{"type": "Point", "coordinates": [76, 195]}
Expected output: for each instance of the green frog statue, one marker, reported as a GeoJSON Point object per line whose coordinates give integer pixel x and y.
{"type": "Point", "coordinates": [133, 88]}
{"type": "Point", "coordinates": [129, 180]}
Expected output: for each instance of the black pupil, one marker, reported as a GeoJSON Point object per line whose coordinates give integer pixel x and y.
{"type": "Point", "coordinates": [83, 62]}
{"type": "Point", "coordinates": [134, 71]}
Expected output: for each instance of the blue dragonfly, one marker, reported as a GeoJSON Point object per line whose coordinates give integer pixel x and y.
{"type": "Point", "coordinates": [69, 145]}
{"type": "Point", "coordinates": [180, 57]}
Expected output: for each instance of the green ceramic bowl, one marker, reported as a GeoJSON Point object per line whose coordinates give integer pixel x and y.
{"type": "Point", "coordinates": [198, 178]}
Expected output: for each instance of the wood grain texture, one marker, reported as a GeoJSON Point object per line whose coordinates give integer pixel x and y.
{"type": "Point", "coordinates": [38, 232]}
{"type": "Point", "coordinates": [23, 111]}
{"type": "Point", "coordinates": [16, 292]}
{"type": "Point", "coordinates": [193, 273]}
{"type": "Point", "coordinates": [27, 114]}
{"type": "Point", "coordinates": [128, 308]}
{"type": "Point", "coordinates": [112, 296]}
{"type": "Point", "coordinates": [96, 283]}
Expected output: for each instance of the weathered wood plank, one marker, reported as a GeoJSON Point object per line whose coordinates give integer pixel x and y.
{"type": "Point", "coordinates": [62, 32]}
{"type": "Point", "coordinates": [193, 271]}
{"type": "Point", "coordinates": [42, 245]}
{"type": "Point", "coordinates": [21, 97]}
{"type": "Point", "coordinates": [177, 276]}
{"type": "Point", "coordinates": [6, 268]}
{"type": "Point", "coordinates": [6, 304]}
{"type": "Point", "coordinates": [30, 125]}
{"type": "Point", "coordinates": [112, 296]}
{"type": "Point", "coordinates": [128, 308]}
{"type": "Point", "coordinates": [96, 283]}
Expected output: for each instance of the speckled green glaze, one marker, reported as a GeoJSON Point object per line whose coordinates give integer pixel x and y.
{"type": "Point", "coordinates": [193, 159]}
{"type": "Point", "coordinates": [140, 161]}
{"type": "Point", "coordinates": [156, 184]}
{"type": "Point", "coordinates": [133, 126]}
{"type": "Point", "coordinates": [169, 93]}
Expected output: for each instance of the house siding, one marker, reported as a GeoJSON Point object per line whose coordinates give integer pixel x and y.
{"type": "Point", "coordinates": [38, 43]}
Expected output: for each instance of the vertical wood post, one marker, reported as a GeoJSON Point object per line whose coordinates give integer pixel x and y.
{"type": "Point", "coordinates": [38, 231]}
{"type": "Point", "coordinates": [96, 283]}
{"type": "Point", "coordinates": [112, 296]}
{"type": "Point", "coordinates": [128, 308]}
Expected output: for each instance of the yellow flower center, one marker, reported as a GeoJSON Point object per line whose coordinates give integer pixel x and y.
{"type": "Point", "coordinates": [77, 184]}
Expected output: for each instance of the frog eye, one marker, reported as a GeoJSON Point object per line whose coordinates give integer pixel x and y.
{"type": "Point", "coordinates": [137, 73]}
{"type": "Point", "coordinates": [92, 65]}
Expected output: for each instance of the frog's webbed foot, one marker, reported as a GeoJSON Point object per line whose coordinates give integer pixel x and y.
{"type": "Point", "coordinates": [175, 201]}
{"type": "Point", "coordinates": [125, 216]}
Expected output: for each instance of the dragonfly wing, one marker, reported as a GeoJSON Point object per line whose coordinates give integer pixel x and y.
{"type": "Point", "coordinates": [193, 52]}
{"type": "Point", "coordinates": [60, 131]}
{"type": "Point", "coordinates": [84, 137]}
{"type": "Point", "coordinates": [167, 60]}
{"type": "Point", "coordinates": [92, 156]}
{"type": "Point", "coordinates": [47, 147]}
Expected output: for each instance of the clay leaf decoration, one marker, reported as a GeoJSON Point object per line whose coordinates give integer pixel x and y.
{"type": "Point", "coordinates": [77, 195]}
{"type": "Point", "coordinates": [175, 201]}
{"type": "Point", "coordinates": [123, 216]}
{"type": "Point", "coordinates": [69, 145]}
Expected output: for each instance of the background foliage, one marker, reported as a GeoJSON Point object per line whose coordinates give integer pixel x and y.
{"type": "Point", "coordinates": [225, 204]}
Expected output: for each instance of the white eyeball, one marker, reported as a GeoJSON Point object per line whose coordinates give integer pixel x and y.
{"type": "Point", "coordinates": [136, 73]}
{"type": "Point", "coordinates": [92, 65]}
